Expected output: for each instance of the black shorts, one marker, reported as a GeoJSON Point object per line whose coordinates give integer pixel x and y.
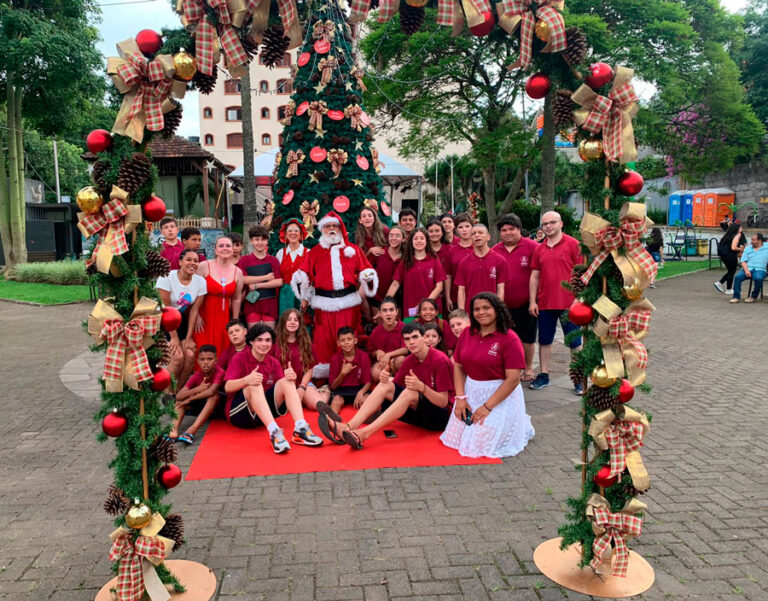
{"type": "Point", "coordinates": [240, 414]}
{"type": "Point", "coordinates": [348, 393]}
{"type": "Point", "coordinates": [426, 415]}
{"type": "Point", "coordinates": [525, 324]}
{"type": "Point", "coordinates": [196, 406]}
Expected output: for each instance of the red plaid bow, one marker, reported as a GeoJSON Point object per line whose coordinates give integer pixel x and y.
{"type": "Point", "coordinates": [358, 73]}
{"type": "Point", "coordinates": [150, 86]}
{"type": "Point", "coordinates": [337, 158]}
{"type": "Point", "coordinates": [111, 216]}
{"type": "Point", "coordinates": [122, 337]}
{"type": "Point", "coordinates": [323, 30]}
{"type": "Point", "coordinates": [130, 577]}
{"type": "Point", "coordinates": [294, 158]}
{"type": "Point", "coordinates": [624, 327]}
{"type": "Point", "coordinates": [387, 10]}
{"type": "Point", "coordinates": [607, 240]}
{"type": "Point", "coordinates": [629, 236]}
{"type": "Point", "coordinates": [317, 108]}
{"type": "Point", "coordinates": [617, 526]}
{"type": "Point", "coordinates": [358, 10]}
{"type": "Point", "coordinates": [326, 67]}
{"type": "Point", "coordinates": [622, 437]}
{"type": "Point", "coordinates": [205, 34]}
{"type": "Point", "coordinates": [528, 11]}
{"type": "Point", "coordinates": [353, 113]}
{"type": "Point", "coordinates": [288, 113]}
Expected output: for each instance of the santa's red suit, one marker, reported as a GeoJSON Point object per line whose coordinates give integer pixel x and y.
{"type": "Point", "coordinates": [329, 277]}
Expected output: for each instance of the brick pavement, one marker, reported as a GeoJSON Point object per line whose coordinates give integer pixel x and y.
{"type": "Point", "coordinates": [444, 533]}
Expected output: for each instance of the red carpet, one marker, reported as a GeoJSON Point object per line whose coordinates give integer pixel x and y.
{"type": "Point", "coordinates": [229, 452]}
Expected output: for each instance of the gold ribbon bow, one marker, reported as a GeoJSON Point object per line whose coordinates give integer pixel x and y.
{"type": "Point", "coordinates": [377, 165]}
{"type": "Point", "coordinates": [316, 110]}
{"type": "Point", "coordinates": [288, 112]}
{"type": "Point", "coordinates": [323, 30]}
{"type": "Point", "coordinates": [326, 67]}
{"type": "Point", "coordinates": [211, 36]}
{"type": "Point", "coordinates": [371, 203]}
{"type": "Point", "coordinates": [337, 157]}
{"type": "Point", "coordinates": [126, 358]}
{"type": "Point", "coordinates": [267, 220]}
{"type": "Point", "coordinates": [610, 527]}
{"type": "Point", "coordinates": [353, 113]}
{"type": "Point", "coordinates": [358, 73]}
{"type": "Point", "coordinates": [110, 223]}
{"type": "Point", "coordinates": [138, 556]}
{"type": "Point", "coordinates": [309, 212]}
{"type": "Point", "coordinates": [146, 85]}
{"type": "Point", "coordinates": [612, 115]}
{"type": "Point", "coordinates": [622, 433]}
{"type": "Point", "coordinates": [523, 13]}
{"type": "Point", "coordinates": [294, 158]}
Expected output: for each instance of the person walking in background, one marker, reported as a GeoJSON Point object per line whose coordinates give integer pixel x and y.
{"type": "Point", "coordinates": [754, 263]}
{"type": "Point", "coordinates": [729, 248]}
{"type": "Point", "coordinates": [655, 247]}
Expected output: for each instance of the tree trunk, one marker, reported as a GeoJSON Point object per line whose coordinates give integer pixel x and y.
{"type": "Point", "coordinates": [250, 208]}
{"type": "Point", "coordinates": [548, 158]}
{"type": "Point", "coordinates": [489, 184]}
{"type": "Point", "coordinates": [14, 229]}
{"type": "Point", "coordinates": [5, 203]}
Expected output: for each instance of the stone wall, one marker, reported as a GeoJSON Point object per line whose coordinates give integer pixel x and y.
{"type": "Point", "coordinates": [750, 183]}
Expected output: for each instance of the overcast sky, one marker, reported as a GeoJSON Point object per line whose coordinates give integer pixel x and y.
{"type": "Point", "coordinates": [123, 19]}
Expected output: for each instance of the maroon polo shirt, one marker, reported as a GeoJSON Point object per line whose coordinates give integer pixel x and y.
{"type": "Point", "coordinates": [519, 261]}
{"type": "Point", "coordinates": [487, 357]}
{"type": "Point", "coordinates": [385, 340]}
{"type": "Point", "coordinates": [436, 371]}
{"type": "Point", "coordinates": [418, 282]}
{"type": "Point", "coordinates": [555, 264]}
{"type": "Point", "coordinates": [481, 274]}
{"type": "Point", "coordinates": [357, 377]}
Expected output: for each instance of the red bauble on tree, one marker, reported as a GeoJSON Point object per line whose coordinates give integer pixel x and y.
{"type": "Point", "coordinates": [154, 209]}
{"type": "Point", "coordinates": [599, 75]}
{"type": "Point", "coordinates": [161, 379]}
{"type": "Point", "coordinates": [171, 319]}
{"type": "Point", "coordinates": [581, 314]}
{"type": "Point", "coordinates": [626, 391]}
{"type": "Point", "coordinates": [98, 141]}
{"type": "Point", "coordinates": [114, 424]}
{"type": "Point", "coordinates": [149, 41]}
{"type": "Point", "coordinates": [484, 28]}
{"type": "Point", "coordinates": [601, 478]}
{"type": "Point", "coordinates": [169, 475]}
{"type": "Point", "coordinates": [538, 85]}
{"type": "Point", "coordinates": [629, 183]}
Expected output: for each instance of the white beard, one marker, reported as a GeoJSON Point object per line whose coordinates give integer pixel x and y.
{"type": "Point", "coordinates": [328, 240]}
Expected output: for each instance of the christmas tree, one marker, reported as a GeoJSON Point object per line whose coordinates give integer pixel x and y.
{"type": "Point", "coordinates": [326, 160]}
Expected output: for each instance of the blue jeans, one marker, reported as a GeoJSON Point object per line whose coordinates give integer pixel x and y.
{"type": "Point", "coordinates": [758, 275]}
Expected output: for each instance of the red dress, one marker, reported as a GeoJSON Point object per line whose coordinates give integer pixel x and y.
{"type": "Point", "coordinates": [215, 313]}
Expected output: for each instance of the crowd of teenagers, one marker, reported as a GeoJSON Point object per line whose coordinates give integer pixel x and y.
{"type": "Point", "coordinates": [445, 339]}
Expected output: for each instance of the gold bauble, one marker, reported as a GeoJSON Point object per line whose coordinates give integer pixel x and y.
{"type": "Point", "coordinates": [417, 3]}
{"type": "Point", "coordinates": [542, 31]}
{"type": "Point", "coordinates": [632, 291]}
{"type": "Point", "coordinates": [591, 150]}
{"type": "Point", "coordinates": [89, 200]}
{"type": "Point", "coordinates": [138, 516]}
{"type": "Point", "coordinates": [600, 377]}
{"type": "Point", "coordinates": [184, 64]}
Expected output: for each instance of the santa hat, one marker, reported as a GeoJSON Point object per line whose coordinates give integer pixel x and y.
{"type": "Point", "coordinates": [333, 217]}
{"type": "Point", "coordinates": [296, 222]}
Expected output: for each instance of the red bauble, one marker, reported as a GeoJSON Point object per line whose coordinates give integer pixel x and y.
{"type": "Point", "coordinates": [581, 314]}
{"type": "Point", "coordinates": [486, 26]}
{"type": "Point", "coordinates": [149, 41]}
{"type": "Point", "coordinates": [161, 380]}
{"type": "Point", "coordinates": [538, 85]}
{"type": "Point", "coordinates": [600, 74]}
{"type": "Point", "coordinates": [626, 391]}
{"type": "Point", "coordinates": [171, 319]}
{"type": "Point", "coordinates": [114, 424]}
{"type": "Point", "coordinates": [169, 475]}
{"type": "Point", "coordinates": [154, 209]}
{"type": "Point", "coordinates": [601, 478]}
{"type": "Point", "coordinates": [98, 141]}
{"type": "Point", "coordinates": [629, 183]}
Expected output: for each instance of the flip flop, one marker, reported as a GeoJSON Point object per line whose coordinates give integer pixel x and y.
{"type": "Point", "coordinates": [187, 438]}
{"type": "Point", "coordinates": [324, 425]}
{"type": "Point", "coordinates": [325, 409]}
{"type": "Point", "coordinates": [528, 376]}
{"type": "Point", "coordinates": [352, 439]}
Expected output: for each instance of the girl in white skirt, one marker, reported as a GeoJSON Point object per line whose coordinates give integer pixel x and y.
{"type": "Point", "coordinates": [488, 362]}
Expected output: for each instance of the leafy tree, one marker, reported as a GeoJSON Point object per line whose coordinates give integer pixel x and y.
{"type": "Point", "coordinates": [752, 57]}
{"type": "Point", "coordinates": [73, 172]}
{"type": "Point", "coordinates": [47, 67]}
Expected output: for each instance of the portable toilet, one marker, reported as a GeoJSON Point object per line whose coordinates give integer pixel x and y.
{"type": "Point", "coordinates": [698, 208]}
{"type": "Point", "coordinates": [687, 206]}
{"type": "Point", "coordinates": [724, 201]}
{"type": "Point", "coordinates": [710, 209]}
{"type": "Point", "coordinates": [675, 210]}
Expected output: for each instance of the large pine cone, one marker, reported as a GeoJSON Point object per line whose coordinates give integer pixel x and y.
{"type": "Point", "coordinates": [577, 378]}
{"type": "Point", "coordinates": [562, 108]}
{"type": "Point", "coordinates": [174, 529]}
{"type": "Point", "coordinates": [577, 286]}
{"type": "Point", "coordinates": [157, 266]}
{"type": "Point", "coordinates": [164, 449]}
{"type": "Point", "coordinates": [411, 19]}
{"type": "Point", "coordinates": [577, 49]}
{"type": "Point", "coordinates": [250, 47]}
{"type": "Point", "coordinates": [273, 46]}
{"type": "Point", "coordinates": [116, 502]}
{"type": "Point", "coordinates": [100, 169]}
{"type": "Point", "coordinates": [134, 173]}
{"type": "Point", "coordinates": [205, 84]}
{"type": "Point", "coordinates": [172, 121]}
{"type": "Point", "coordinates": [165, 348]}
{"type": "Point", "coordinates": [601, 398]}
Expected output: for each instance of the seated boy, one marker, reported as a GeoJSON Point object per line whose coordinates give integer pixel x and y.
{"type": "Point", "coordinates": [350, 371]}
{"type": "Point", "coordinates": [257, 388]}
{"type": "Point", "coordinates": [385, 344]}
{"type": "Point", "coordinates": [172, 246]}
{"type": "Point", "coordinates": [236, 330]}
{"type": "Point", "coordinates": [201, 392]}
{"type": "Point", "coordinates": [191, 238]}
{"type": "Point", "coordinates": [420, 395]}
{"type": "Point", "coordinates": [458, 320]}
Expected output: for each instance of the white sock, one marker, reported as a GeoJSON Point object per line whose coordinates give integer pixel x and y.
{"type": "Point", "coordinates": [301, 423]}
{"type": "Point", "coordinates": [272, 428]}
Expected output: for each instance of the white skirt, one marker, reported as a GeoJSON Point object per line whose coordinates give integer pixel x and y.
{"type": "Point", "coordinates": [505, 431]}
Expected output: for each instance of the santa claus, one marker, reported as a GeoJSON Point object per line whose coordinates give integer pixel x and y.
{"type": "Point", "coordinates": [328, 280]}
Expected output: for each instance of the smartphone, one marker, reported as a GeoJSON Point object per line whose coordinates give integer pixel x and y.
{"type": "Point", "coordinates": [468, 419]}
{"type": "Point", "coordinates": [390, 434]}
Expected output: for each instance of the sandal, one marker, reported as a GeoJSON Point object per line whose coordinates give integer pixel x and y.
{"type": "Point", "coordinates": [352, 439]}
{"type": "Point", "coordinates": [734, 301]}
{"type": "Point", "coordinates": [187, 438]}
{"type": "Point", "coordinates": [325, 409]}
{"type": "Point", "coordinates": [528, 376]}
{"type": "Point", "coordinates": [325, 427]}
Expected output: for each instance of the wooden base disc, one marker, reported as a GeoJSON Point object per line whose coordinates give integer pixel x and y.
{"type": "Point", "coordinates": [199, 580]}
{"type": "Point", "coordinates": [562, 567]}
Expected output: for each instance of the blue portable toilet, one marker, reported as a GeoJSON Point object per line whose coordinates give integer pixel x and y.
{"type": "Point", "coordinates": [675, 210]}
{"type": "Point", "coordinates": [688, 206]}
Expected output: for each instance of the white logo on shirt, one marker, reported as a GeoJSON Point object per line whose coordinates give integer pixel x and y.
{"type": "Point", "coordinates": [431, 273]}
{"type": "Point", "coordinates": [523, 261]}
{"type": "Point", "coordinates": [493, 272]}
{"type": "Point", "coordinates": [494, 350]}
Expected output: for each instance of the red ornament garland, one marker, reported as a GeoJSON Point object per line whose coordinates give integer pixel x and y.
{"type": "Point", "coordinates": [98, 141]}
{"type": "Point", "coordinates": [171, 319]}
{"type": "Point", "coordinates": [602, 478]}
{"type": "Point", "coordinates": [149, 41]}
{"type": "Point", "coordinates": [114, 424]}
{"type": "Point", "coordinates": [161, 379]}
{"type": "Point", "coordinates": [169, 475]}
{"type": "Point", "coordinates": [154, 209]}
{"type": "Point", "coordinates": [600, 75]}
{"type": "Point", "coordinates": [630, 183]}
{"type": "Point", "coordinates": [626, 391]}
{"type": "Point", "coordinates": [581, 314]}
{"type": "Point", "coordinates": [538, 85]}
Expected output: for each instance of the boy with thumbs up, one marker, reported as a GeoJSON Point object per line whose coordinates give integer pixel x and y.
{"type": "Point", "coordinates": [420, 394]}
{"type": "Point", "coordinates": [350, 371]}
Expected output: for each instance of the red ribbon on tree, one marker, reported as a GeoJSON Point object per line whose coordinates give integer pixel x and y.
{"type": "Point", "coordinates": [524, 13]}
{"type": "Point", "coordinates": [316, 110]}
{"type": "Point", "coordinates": [353, 113]}
{"type": "Point", "coordinates": [294, 158]}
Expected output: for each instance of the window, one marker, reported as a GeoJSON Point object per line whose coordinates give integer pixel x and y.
{"type": "Point", "coordinates": [234, 140]}
{"type": "Point", "coordinates": [281, 112]}
{"type": "Point", "coordinates": [285, 61]}
{"type": "Point", "coordinates": [207, 113]}
{"type": "Point", "coordinates": [263, 86]}
{"type": "Point", "coordinates": [284, 86]}
{"type": "Point", "coordinates": [265, 113]}
{"type": "Point", "coordinates": [232, 86]}
{"type": "Point", "coordinates": [266, 140]}
{"type": "Point", "coordinates": [208, 139]}
{"type": "Point", "coordinates": [234, 113]}
{"type": "Point", "coordinates": [280, 140]}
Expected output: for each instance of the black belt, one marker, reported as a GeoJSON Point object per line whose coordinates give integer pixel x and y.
{"type": "Point", "coordinates": [335, 293]}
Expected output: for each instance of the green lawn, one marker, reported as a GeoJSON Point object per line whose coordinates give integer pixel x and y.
{"type": "Point", "coordinates": [45, 294]}
{"type": "Point", "coordinates": [679, 267]}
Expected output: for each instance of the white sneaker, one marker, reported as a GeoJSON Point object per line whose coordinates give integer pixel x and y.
{"type": "Point", "coordinates": [719, 286]}
{"type": "Point", "coordinates": [730, 292]}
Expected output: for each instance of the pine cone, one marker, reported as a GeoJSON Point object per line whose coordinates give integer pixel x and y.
{"type": "Point", "coordinates": [298, 136]}
{"type": "Point", "coordinates": [174, 529]}
{"type": "Point", "coordinates": [91, 269]}
{"type": "Point", "coordinates": [577, 286]}
{"type": "Point", "coordinates": [577, 49]}
{"type": "Point", "coordinates": [250, 47]}
{"type": "Point", "coordinates": [627, 489]}
{"type": "Point", "coordinates": [411, 19]}
{"type": "Point", "coordinates": [576, 376]}
{"type": "Point", "coordinates": [157, 266]}
{"type": "Point", "coordinates": [172, 121]}
{"type": "Point", "coordinates": [601, 398]}
{"type": "Point", "coordinates": [273, 46]}
{"type": "Point", "coordinates": [205, 84]}
{"type": "Point", "coordinates": [134, 173]}
{"type": "Point", "coordinates": [100, 169]}
{"type": "Point", "coordinates": [562, 108]}
{"type": "Point", "coordinates": [165, 348]}
{"type": "Point", "coordinates": [116, 502]}
{"type": "Point", "coordinates": [164, 450]}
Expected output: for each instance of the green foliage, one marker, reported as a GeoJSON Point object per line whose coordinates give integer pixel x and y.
{"type": "Point", "coordinates": [44, 294]}
{"type": "Point", "coordinates": [73, 173]}
{"type": "Point", "coordinates": [752, 56]}
{"type": "Point", "coordinates": [52, 272]}
{"type": "Point", "coordinates": [658, 216]}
